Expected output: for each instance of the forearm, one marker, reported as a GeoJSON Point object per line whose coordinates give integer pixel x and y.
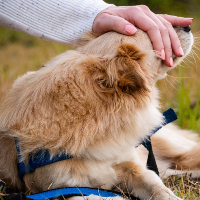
{"type": "Point", "coordinates": [62, 21]}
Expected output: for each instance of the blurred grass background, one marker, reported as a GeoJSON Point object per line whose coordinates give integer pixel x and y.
{"type": "Point", "coordinates": [20, 53]}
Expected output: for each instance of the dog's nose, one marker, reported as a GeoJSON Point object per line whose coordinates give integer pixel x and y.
{"type": "Point", "coordinates": [187, 29]}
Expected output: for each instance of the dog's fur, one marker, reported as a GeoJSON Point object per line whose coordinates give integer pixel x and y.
{"type": "Point", "coordinates": [96, 103]}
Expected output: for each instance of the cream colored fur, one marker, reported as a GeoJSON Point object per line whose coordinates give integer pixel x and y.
{"type": "Point", "coordinates": [96, 103]}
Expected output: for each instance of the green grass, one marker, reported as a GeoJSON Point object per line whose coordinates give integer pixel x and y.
{"type": "Point", "coordinates": [20, 53]}
{"type": "Point", "coordinates": [184, 186]}
{"type": "Point", "coordinates": [181, 91]}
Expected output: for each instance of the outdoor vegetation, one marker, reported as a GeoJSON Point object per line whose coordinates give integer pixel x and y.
{"type": "Point", "coordinates": [180, 90]}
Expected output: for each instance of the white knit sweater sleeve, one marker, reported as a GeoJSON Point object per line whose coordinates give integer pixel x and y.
{"type": "Point", "coordinates": [62, 21]}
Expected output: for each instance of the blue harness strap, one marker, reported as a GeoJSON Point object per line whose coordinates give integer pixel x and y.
{"type": "Point", "coordinates": [169, 116]}
{"type": "Point", "coordinates": [42, 157]}
{"type": "Point", "coordinates": [73, 191]}
{"type": "Point", "coordinates": [38, 159]}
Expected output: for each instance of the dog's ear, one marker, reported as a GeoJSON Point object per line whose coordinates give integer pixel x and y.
{"type": "Point", "coordinates": [133, 76]}
{"type": "Point", "coordinates": [122, 73]}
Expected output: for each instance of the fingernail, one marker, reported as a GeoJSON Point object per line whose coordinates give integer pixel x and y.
{"type": "Point", "coordinates": [181, 51]}
{"type": "Point", "coordinates": [171, 62]}
{"type": "Point", "coordinates": [130, 29]}
{"type": "Point", "coordinates": [162, 54]}
{"type": "Point", "coordinates": [189, 19]}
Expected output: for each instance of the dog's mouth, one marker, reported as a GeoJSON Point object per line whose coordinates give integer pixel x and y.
{"type": "Point", "coordinates": [186, 39]}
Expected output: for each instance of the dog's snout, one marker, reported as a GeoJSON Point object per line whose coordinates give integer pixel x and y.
{"type": "Point", "coordinates": [187, 29]}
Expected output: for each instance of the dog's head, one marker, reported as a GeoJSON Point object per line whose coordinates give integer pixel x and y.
{"type": "Point", "coordinates": [128, 65]}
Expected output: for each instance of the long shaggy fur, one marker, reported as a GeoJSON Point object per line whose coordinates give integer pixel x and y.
{"type": "Point", "coordinates": [96, 103]}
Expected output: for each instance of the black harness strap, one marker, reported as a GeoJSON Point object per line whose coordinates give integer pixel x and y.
{"type": "Point", "coordinates": [169, 116]}
{"type": "Point", "coordinates": [151, 161]}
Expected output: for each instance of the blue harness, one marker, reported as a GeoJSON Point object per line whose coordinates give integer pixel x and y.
{"type": "Point", "coordinates": [42, 157]}
{"type": "Point", "coordinates": [80, 191]}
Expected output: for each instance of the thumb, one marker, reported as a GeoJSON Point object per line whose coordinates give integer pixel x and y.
{"type": "Point", "coordinates": [106, 22]}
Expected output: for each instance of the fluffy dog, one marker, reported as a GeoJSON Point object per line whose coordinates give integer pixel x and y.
{"type": "Point", "coordinates": [95, 103]}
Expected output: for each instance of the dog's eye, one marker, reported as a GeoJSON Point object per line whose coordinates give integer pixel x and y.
{"type": "Point", "coordinates": [104, 83]}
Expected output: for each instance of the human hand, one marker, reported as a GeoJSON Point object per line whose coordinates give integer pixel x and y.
{"type": "Point", "coordinates": [160, 29]}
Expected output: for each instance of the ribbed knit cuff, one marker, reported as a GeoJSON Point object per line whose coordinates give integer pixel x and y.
{"type": "Point", "coordinates": [62, 21]}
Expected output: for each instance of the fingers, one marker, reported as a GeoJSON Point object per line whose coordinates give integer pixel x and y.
{"type": "Point", "coordinates": [157, 31]}
{"type": "Point", "coordinates": [168, 39]}
{"type": "Point", "coordinates": [162, 42]}
{"type": "Point", "coordinates": [107, 22]}
{"type": "Point", "coordinates": [178, 21]}
{"type": "Point", "coordinates": [159, 27]}
{"type": "Point", "coordinates": [174, 42]}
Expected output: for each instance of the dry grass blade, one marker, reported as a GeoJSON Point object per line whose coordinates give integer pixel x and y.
{"type": "Point", "coordinates": [184, 186]}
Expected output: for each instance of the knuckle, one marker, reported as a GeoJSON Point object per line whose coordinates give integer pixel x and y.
{"type": "Point", "coordinates": [163, 15]}
{"type": "Point", "coordinates": [97, 23]}
{"type": "Point", "coordinates": [144, 7]}
{"type": "Point", "coordinates": [115, 22]}
{"type": "Point", "coordinates": [169, 50]}
{"type": "Point", "coordinates": [154, 27]}
{"type": "Point", "coordinates": [164, 30]}
{"type": "Point", "coordinates": [168, 24]}
{"type": "Point", "coordinates": [101, 17]}
{"type": "Point", "coordinates": [135, 9]}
